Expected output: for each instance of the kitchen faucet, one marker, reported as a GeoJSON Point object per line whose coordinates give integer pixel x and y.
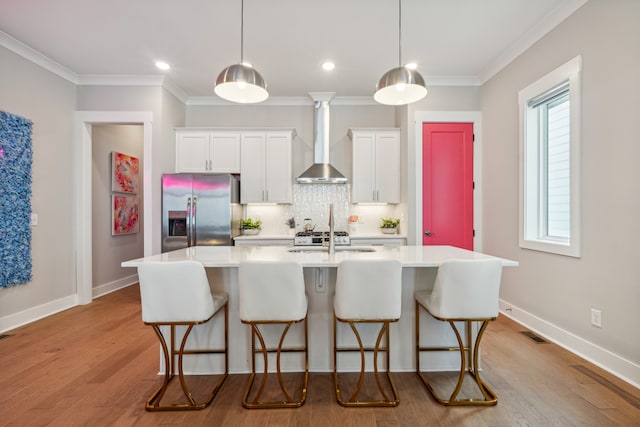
{"type": "Point", "coordinates": [332, 243]}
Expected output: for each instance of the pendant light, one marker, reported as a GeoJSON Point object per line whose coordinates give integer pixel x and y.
{"type": "Point", "coordinates": [400, 85]}
{"type": "Point", "coordinates": [240, 82]}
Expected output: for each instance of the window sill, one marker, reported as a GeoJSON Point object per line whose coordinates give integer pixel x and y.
{"type": "Point", "coordinates": [558, 248]}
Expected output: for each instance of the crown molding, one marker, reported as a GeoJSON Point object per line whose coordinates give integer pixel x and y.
{"type": "Point", "coordinates": [175, 90]}
{"type": "Point", "coordinates": [517, 48]}
{"type": "Point", "coordinates": [271, 101]}
{"type": "Point", "coordinates": [452, 81]}
{"type": "Point", "coordinates": [280, 101]}
{"type": "Point", "coordinates": [37, 58]}
{"type": "Point", "coordinates": [119, 80]}
{"type": "Point", "coordinates": [123, 80]}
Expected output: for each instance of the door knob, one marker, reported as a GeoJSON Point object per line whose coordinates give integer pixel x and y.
{"type": "Point", "coordinates": [427, 232]}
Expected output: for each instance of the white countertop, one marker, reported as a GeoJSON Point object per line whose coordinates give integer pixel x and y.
{"type": "Point", "coordinates": [231, 256]}
{"type": "Point", "coordinates": [376, 236]}
{"type": "Point", "coordinates": [265, 237]}
{"type": "Point", "coordinates": [262, 236]}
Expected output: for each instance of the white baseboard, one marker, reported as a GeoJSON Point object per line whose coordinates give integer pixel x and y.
{"type": "Point", "coordinates": [622, 368]}
{"type": "Point", "coordinates": [40, 312]}
{"type": "Point", "coordinates": [36, 313]}
{"type": "Point", "coordinates": [107, 288]}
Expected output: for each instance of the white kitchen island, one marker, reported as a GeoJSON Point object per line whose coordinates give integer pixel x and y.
{"type": "Point", "coordinates": [419, 269]}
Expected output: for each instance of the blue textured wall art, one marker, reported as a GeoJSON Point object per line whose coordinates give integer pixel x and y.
{"type": "Point", "coordinates": [15, 200]}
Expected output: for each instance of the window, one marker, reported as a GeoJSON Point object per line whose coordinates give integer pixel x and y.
{"type": "Point", "coordinates": [550, 162]}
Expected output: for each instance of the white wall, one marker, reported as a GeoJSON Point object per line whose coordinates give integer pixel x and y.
{"type": "Point", "coordinates": [554, 294]}
{"type": "Point", "coordinates": [49, 102]}
{"type": "Point", "coordinates": [109, 251]}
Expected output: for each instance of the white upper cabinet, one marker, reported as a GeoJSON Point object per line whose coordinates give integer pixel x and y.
{"type": "Point", "coordinates": [224, 152]}
{"type": "Point", "coordinates": [376, 165]}
{"type": "Point", "coordinates": [199, 151]}
{"type": "Point", "coordinates": [265, 167]}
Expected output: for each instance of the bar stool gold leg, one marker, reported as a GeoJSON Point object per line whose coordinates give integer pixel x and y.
{"type": "Point", "coordinates": [153, 403]}
{"type": "Point", "coordinates": [352, 401]}
{"type": "Point", "coordinates": [469, 355]}
{"type": "Point", "coordinates": [288, 402]}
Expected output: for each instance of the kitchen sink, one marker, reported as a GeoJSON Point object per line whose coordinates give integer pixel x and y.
{"type": "Point", "coordinates": [339, 249]}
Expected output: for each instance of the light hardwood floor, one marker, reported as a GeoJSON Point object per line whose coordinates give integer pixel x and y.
{"type": "Point", "coordinates": [96, 365]}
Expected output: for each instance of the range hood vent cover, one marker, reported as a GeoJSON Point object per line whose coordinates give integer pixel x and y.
{"type": "Point", "coordinates": [321, 172]}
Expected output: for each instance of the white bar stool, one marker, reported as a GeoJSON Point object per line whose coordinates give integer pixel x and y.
{"type": "Point", "coordinates": [466, 291]}
{"type": "Point", "coordinates": [367, 291]}
{"type": "Point", "coordinates": [273, 292]}
{"type": "Point", "coordinates": [178, 293]}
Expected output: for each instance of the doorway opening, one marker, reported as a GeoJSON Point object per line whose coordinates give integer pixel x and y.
{"type": "Point", "coordinates": [83, 192]}
{"type": "Point", "coordinates": [117, 198]}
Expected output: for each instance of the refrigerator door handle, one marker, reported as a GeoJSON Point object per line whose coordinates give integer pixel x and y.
{"type": "Point", "coordinates": [193, 231]}
{"type": "Point", "coordinates": [188, 221]}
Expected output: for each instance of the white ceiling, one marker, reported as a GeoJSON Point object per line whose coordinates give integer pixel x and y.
{"type": "Point", "coordinates": [452, 41]}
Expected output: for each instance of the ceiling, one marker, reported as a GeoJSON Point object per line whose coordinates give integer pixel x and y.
{"type": "Point", "coordinates": [454, 42]}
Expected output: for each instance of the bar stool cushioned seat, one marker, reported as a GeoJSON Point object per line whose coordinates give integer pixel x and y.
{"type": "Point", "coordinates": [273, 292]}
{"type": "Point", "coordinates": [367, 291]}
{"type": "Point", "coordinates": [175, 294]}
{"type": "Point", "coordinates": [466, 291]}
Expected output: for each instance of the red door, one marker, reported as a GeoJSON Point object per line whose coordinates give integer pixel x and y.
{"type": "Point", "coordinates": [447, 184]}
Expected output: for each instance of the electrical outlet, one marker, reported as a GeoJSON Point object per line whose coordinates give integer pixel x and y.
{"type": "Point", "coordinates": [596, 318]}
{"type": "Point", "coordinates": [34, 219]}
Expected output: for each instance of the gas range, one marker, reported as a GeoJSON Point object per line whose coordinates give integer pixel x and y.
{"type": "Point", "coordinates": [317, 238]}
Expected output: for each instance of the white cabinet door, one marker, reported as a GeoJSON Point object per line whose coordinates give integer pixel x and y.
{"type": "Point", "coordinates": [192, 151]}
{"type": "Point", "coordinates": [363, 185]}
{"type": "Point", "coordinates": [252, 167]}
{"type": "Point", "coordinates": [266, 167]}
{"type": "Point", "coordinates": [225, 152]}
{"type": "Point", "coordinates": [376, 166]}
{"type": "Point", "coordinates": [388, 167]}
{"type": "Point", "coordinates": [203, 151]}
{"type": "Point", "coordinates": [278, 169]}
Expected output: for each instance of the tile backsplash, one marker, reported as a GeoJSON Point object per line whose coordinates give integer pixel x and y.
{"type": "Point", "coordinates": [312, 201]}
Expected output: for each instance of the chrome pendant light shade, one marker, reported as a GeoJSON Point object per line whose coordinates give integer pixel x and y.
{"type": "Point", "coordinates": [401, 85]}
{"type": "Point", "coordinates": [241, 83]}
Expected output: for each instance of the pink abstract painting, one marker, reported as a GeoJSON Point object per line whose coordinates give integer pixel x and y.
{"type": "Point", "coordinates": [125, 217]}
{"type": "Point", "coordinates": [125, 176]}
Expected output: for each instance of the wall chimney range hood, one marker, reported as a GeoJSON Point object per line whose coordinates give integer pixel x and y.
{"type": "Point", "coordinates": [321, 172]}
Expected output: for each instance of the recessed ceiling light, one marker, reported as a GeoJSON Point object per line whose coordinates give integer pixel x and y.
{"type": "Point", "coordinates": [162, 65]}
{"type": "Point", "coordinates": [328, 66]}
{"type": "Point", "coordinates": [411, 66]}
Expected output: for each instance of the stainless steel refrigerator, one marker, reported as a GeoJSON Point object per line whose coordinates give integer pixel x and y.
{"type": "Point", "coordinates": [199, 210]}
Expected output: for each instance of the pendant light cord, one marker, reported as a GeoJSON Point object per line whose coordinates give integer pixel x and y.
{"type": "Point", "coordinates": [241, 31]}
{"type": "Point", "coordinates": [399, 33]}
